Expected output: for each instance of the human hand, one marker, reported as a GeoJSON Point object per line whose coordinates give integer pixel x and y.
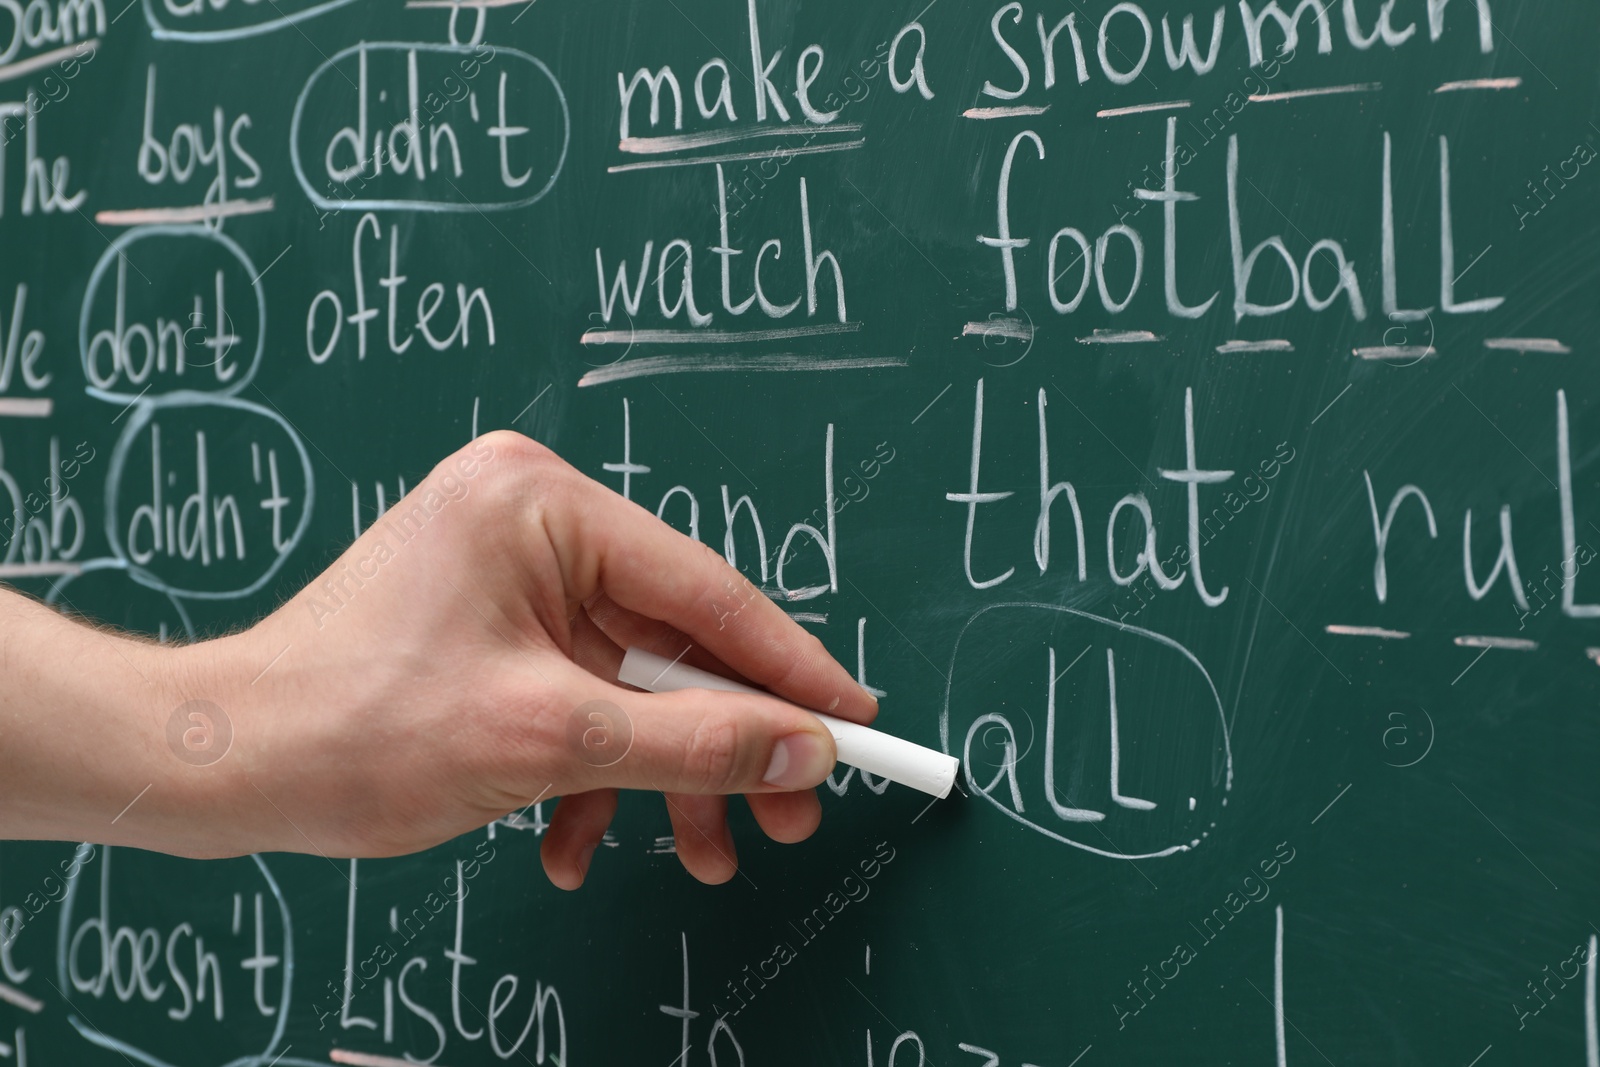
{"type": "Point", "coordinates": [431, 680]}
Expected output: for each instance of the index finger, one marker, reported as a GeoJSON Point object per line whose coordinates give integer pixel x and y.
{"type": "Point", "coordinates": [606, 543]}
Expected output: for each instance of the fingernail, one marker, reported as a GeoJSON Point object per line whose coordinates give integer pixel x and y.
{"type": "Point", "coordinates": [585, 857]}
{"type": "Point", "coordinates": [799, 761]}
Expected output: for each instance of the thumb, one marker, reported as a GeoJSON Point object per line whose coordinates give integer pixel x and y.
{"type": "Point", "coordinates": [706, 742]}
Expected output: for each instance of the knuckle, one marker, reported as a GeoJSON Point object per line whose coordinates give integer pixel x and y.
{"type": "Point", "coordinates": [514, 454]}
{"type": "Point", "coordinates": [518, 468]}
{"type": "Point", "coordinates": [511, 446]}
{"type": "Point", "coordinates": [711, 754]}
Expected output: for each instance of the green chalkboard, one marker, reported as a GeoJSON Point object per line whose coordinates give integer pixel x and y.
{"type": "Point", "coordinates": [1195, 407]}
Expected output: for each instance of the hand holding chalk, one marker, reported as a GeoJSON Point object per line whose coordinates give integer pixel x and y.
{"type": "Point", "coordinates": [473, 681]}
{"type": "Point", "coordinates": [860, 746]}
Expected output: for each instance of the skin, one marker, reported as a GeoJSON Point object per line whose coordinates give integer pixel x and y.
{"type": "Point", "coordinates": [435, 691]}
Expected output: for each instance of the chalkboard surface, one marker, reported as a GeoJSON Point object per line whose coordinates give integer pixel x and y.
{"type": "Point", "coordinates": [1187, 416]}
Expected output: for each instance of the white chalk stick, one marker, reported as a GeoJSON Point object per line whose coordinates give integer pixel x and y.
{"type": "Point", "coordinates": [859, 746]}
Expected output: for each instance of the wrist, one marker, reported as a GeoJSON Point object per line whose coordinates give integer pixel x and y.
{"type": "Point", "coordinates": [229, 739]}
{"type": "Point", "coordinates": [257, 743]}
{"type": "Point", "coordinates": [199, 776]}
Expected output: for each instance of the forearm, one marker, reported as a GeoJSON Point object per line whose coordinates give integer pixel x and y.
{"type": "Point", "coordinates": [83, 733]}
